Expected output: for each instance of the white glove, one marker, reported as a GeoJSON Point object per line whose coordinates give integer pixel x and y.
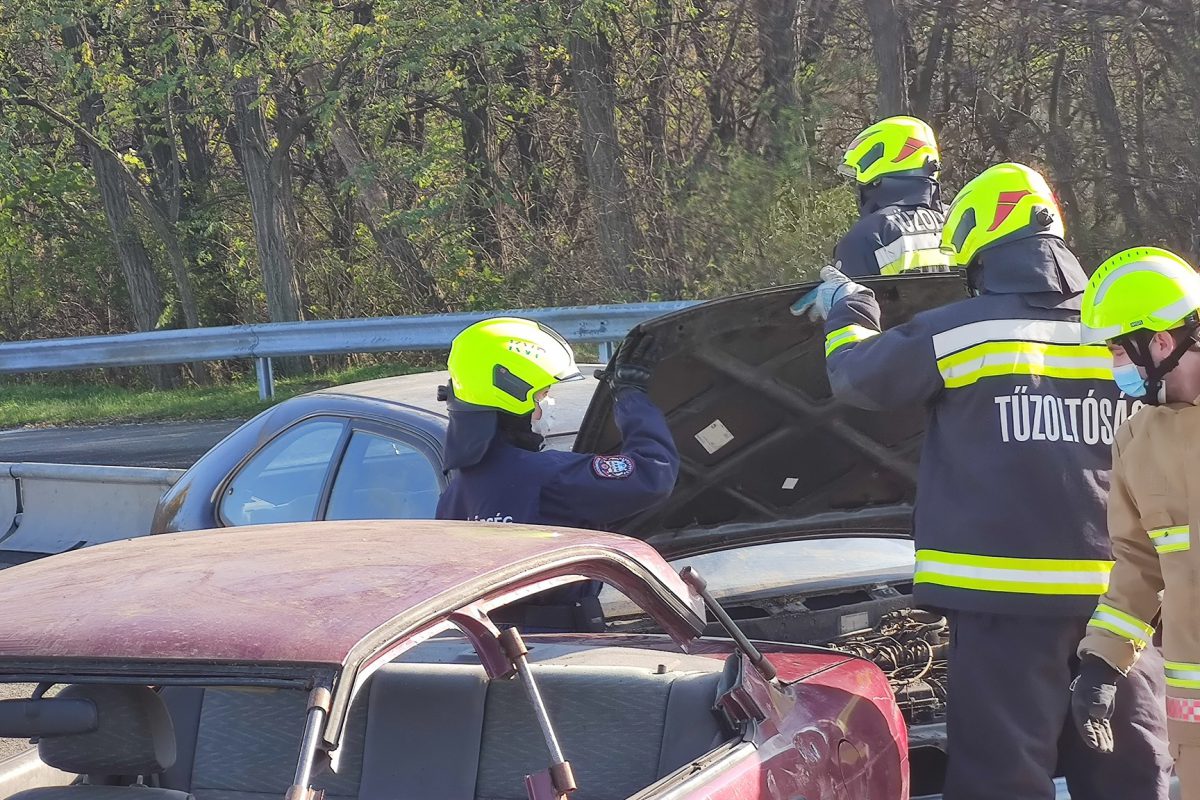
{"type": "Point", "coordinates": [834, 287]}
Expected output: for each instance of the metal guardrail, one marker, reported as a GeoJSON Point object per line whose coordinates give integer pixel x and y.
{"type": "Point", "coordinates": [602, 325]}
{"type": "Point", "coordinates": [49, 508]}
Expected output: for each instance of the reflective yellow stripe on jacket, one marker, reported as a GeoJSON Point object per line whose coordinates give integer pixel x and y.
{"type": "Point", "coordinates": [1016, 575]}
{"type": "Point", "coordinates": [1172, 540]}
{"type": "Point", "coordinates": [835, 340]}
{"type": "Point", "coordinates": [1183, 675]}
{"type": "Point", "coordinates": [1018, 347]}
{"type": "Point", "coordinates": [912, 251]}
{"type": "Point", "coordinates": [1025, 358]}
{"type": "Point", "coordinates": [922, 260]}
{"type": "Point", "coordinates": [1114, 620]}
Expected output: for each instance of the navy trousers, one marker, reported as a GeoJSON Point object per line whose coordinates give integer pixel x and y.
{"type": "Point", "coordinates": [1009, 724]}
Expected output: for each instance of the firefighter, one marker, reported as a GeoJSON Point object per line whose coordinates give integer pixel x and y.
{"type": "Point", "coordinates": [895, 165]}
{"type": "Point", "coordinates": [502, 374]}
{"type": "Point", "coordinates": [1145, 303]}
{"type": "Point", "coordinates": [1009, 523]}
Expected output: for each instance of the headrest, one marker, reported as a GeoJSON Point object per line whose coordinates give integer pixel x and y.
{"type": "Point", "coordinates": [133, 736]}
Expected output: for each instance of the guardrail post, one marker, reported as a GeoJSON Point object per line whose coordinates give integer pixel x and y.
{"type": "Point", "coordinates": [266, 378]}
{"type": "Point", "coordinates": [605, 352]}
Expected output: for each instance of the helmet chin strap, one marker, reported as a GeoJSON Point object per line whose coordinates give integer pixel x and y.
{"type": "Point", "coordinates": [1137, 346]}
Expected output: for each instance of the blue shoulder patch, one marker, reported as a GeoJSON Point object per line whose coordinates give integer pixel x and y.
{"type": "Point", "coordinates": [615, 468]}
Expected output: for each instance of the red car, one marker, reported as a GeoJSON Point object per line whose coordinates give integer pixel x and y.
{"type": "Point", "coordinates": [359, 660]}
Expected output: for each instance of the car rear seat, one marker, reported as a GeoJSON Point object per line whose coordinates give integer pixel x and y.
{"type": "Point", "coordinates": [133, 739]}
{"type": "Point", "coordinates": [432, 731]}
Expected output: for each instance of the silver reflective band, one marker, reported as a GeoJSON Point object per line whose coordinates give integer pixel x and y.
{"type": "Point", "coordinates": [1013, 575]}
{"type": "Point", "coordinates": [1172, 539]}
{"type": "Point", "coordinates": [1181, 673]}
{"type": "Point", "coordinates": [999, 330]}
{"type": "Point", "coordinates": [1138, 632]}
{"type": "Point", "coordinates": [1100, 335]}
{"type": "Point", "coordinates": [1175, 539]}
{"type": "Point", "coordinates": [908, 243]}
{"type": "Point", "coordinates": [1145, 264]}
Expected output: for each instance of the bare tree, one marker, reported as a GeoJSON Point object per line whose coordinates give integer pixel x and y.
{"type": "Point", "coordinates": [778, 40]}
{"type": "Point", "coordinates": [888, 36]}
{"type": "Point", "coordinates": [1120, 176]}
{"type": "Point", "coordinates": [608, 185]}
{"type": "Point", "coordinates": [256, 154]}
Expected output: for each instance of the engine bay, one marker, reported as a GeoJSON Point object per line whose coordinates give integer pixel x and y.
{"type": "Point", "coordinates": [911, 646]}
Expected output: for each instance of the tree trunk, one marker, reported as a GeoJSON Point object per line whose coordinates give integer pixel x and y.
{"type": "Point", "coordinates": [1059, 151]}
{"type": "Point", "coordinates": [266, 205]}
{"type": "Point", "coordinates": [529, 152]}
{"type": "Point", "coordinates": [777, 38]}
{"type": "Point", "coordinates": [718, 91]}
{"type": "Point", "coordinates": [141, 281]}
{"type": "Point", "coordinates": [819, 17]}
{"type": "Point", "coordinates": [608, 186]}
{"type": "Point", "coordinates": [654, 121]}
{"type": "Point", "coordinates": [266, 201]}
{"type": "Point", "coordinates": [474, 110]}
{"type": "Point", "coordinates": [887, 37]}
{"type": "Point", "coordinates": [374, 206]}
{"type": "Point", "coordinates": [922, 96]}
{"type": "Point", "coordinates": [1108, 115]}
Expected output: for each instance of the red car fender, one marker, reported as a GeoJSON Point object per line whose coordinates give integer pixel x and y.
{"type": "Point", "coordinates": [855, 703]}
{"type": "Point", "coordinates": [835, 735]}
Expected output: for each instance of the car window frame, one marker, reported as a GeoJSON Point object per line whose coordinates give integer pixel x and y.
{"type": "Point", "coordinates": [404, 434]}
{"type": "Point", "coordinates": [338, 448]}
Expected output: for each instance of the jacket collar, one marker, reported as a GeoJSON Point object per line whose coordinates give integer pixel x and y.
{"type": "Point", "coordinates": [910, 190]}
{"type": "Point", "coordinates": [1034, 265]}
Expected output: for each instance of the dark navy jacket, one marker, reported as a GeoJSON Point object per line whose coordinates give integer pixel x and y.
{"type": "Point", "coordinates": [1010, 507]}
{"type": "Point", "coordinates": [578, 490]}
{"type": "Point", "coordinates": [900, 230]}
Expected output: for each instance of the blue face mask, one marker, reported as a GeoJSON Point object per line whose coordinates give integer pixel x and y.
{"type": "Point", "coordinates": [1129, 380]}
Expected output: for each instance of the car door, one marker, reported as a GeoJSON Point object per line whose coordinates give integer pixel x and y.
{"type": "Point", "coordinates": [384, 472]}
{"type": "Point", "coordinates": [333, 467]}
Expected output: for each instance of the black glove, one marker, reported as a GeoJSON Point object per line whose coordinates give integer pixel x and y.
{"type": "Point", "coordinates": [1093, 698]}
{"type": "Point", "coordinates": [631, 367]}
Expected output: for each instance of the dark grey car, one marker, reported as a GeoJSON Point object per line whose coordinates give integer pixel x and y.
{"type": "Point", "coordinates": [368, 450]}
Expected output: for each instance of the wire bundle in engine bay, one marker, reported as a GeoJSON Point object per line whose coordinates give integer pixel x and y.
{"type": "Point", "coordinates": [911, 647]}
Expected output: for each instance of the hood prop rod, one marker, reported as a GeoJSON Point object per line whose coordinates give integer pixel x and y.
{"type": "Point", "coordinates": [761, 663]}
{"type": "Point", "coordinates": [557, 782]}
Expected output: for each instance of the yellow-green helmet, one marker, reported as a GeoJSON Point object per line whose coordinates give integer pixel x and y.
{"type": "Point", "coordinates": [896, 145]}
{"type": "Point", "coordinates": [502, 363]}
{"type": "Point", "coordinates": [1141, 289]}
{"type": "Point", "coordinates": [1003, 203]}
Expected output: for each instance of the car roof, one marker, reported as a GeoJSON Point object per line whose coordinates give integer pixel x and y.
{"type": "Point", "coordinates": [419, 391]}
{"type": "Point", "coordinates": [309, 593]}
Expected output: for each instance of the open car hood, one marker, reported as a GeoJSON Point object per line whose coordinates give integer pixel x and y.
{"type": "Point", "coordinates": [767, 453]}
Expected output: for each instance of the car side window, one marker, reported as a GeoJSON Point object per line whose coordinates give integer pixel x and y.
{"type": "Point", "coordinates": [383, 478]}
{"type": "Point", "coordinates": [283, 482]}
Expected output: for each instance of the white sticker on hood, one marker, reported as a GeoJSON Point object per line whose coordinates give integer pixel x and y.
{"type": "Point", "coordinates": [714, 437]}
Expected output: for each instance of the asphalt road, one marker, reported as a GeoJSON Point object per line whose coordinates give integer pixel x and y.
{"type": "Point", "coordinates": [147, 444]}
